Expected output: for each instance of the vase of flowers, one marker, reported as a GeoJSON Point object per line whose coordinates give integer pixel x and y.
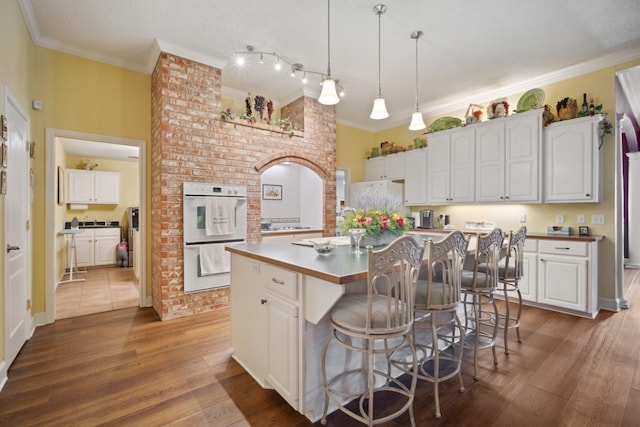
{"type": "Point", "coordinates": [379, 214]}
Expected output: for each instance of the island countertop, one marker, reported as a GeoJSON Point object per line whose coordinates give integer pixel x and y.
{"type": "Point", "coordinates": [340, 267]}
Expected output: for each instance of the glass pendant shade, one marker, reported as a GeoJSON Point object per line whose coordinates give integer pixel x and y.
{"type": "Point", "coordinates": [417, 123]}
{"type": "Point", "coordinates": [328, 96]}
{"type": "Point", "coordinates": [379, 110]}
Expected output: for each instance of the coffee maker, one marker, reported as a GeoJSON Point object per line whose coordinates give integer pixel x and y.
{"type": "Point", "coordinates": [427, 219]}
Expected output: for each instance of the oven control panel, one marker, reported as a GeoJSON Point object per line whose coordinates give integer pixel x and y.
{"type": "Point", "coordinates": [206, 189]}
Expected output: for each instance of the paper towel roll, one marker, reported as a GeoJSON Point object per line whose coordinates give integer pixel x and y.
{"type": "Point", "coordinates": [416, 219]}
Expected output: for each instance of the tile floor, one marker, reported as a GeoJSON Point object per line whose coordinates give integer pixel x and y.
{"type": "Point", "coordinates": [104, 289]}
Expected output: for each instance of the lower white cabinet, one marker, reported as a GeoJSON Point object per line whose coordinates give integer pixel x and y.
{"type": "Point", "coordinates": [265, 324]}
{"type": "Point", "coordinates": [96, 246]}
{"type": "Point", "coordinates": [561, 275]}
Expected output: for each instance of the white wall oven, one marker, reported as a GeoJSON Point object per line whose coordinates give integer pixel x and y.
{"type": "Point", "coordinates": [215, 215]}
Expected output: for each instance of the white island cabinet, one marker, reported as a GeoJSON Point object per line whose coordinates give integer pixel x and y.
{"type": "Point", "coordinates": [264, 324]}
{"type": "Point", "coordinates": [573, 161]}
{"type": "Point", "coordinates": [95, 246]}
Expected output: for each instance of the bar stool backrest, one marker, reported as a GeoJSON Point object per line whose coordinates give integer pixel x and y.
{"type": "Point", "coordinates": [393, 272]}
{"type": "Point", "coordinates": [514, 257]}
{"type": "Point", "coordinates": [487, 256]}
{"type": "Point", "coordinates": [445, 261]}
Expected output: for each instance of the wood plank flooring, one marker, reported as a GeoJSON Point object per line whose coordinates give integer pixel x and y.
{"type": "Point", "coordinates": [127, 368]}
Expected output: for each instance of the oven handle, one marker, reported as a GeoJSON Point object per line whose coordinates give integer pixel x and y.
{"type": "Point", "coordinates": [195, 196]}
{"type": "Point", "coordinates": [214, 242]}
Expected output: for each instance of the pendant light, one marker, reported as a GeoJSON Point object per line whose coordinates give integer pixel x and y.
{"type": "Point", "coordinates": [417, 123]}
{"type": "Point", "coordinates": [379, 110]}
{"type": "Point", "coordinates": [328, 95]}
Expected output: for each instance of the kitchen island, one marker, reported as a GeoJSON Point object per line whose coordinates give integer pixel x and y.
{"type": "Point", "coordinates": [281, 294]}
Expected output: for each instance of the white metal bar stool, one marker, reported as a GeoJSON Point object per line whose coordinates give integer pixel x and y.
{"type": "Point", "coordinates": [376, 323]}
{"type": "Point", "coordinates": [509, 279]}
{"type": "Point", "coordinates": [480, 284]}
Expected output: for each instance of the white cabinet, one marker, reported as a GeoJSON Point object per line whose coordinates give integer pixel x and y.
{"type": "Point", "coordinates": [391, 166]}
{"type": "Point", "coordinates": [106, 240]}
{"type": "Point", "coordinates": [451, 167]}
{"type": "Point", "coordinates": [265, 324]}
{"type": "Point", "coordinates": [84, 249]}
{"type": "Point", "coordinates": [96, 246]}
{"type": "Point", "coordinates": [415, 183]}
{"type": "Point", "coordinates": [508, 159]}
{"type": "Point", "coordinates": [561, 275]}
{"type": "Point", "coordinates": [573, 161]}
{"type": "Point", "coordinates": [85, 186]}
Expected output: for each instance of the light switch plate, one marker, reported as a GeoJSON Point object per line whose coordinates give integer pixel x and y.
{"type": "Point", "coordinates": [523, 217]}
{"type": "Point", "coordinates": [560, 219]}
{"type": "Point", "coordinates": [580, 219]}
{"type": "Point", "coordinates": [597, 219]}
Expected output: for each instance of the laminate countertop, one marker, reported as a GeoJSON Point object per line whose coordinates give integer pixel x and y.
{"type": "Point", "coordinates": [342, 265]}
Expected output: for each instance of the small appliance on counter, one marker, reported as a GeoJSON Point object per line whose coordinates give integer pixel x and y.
{"type": "Point", "coordinates": [427, 219]}
{"type": "Point", "coordinates": [559, 230]}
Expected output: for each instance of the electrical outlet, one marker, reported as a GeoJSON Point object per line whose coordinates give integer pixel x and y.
{"type": "Point", "coordinates": [597, 219]}
{"type": "Point", "coordinates": [580, 219]}
{"type": "Point", "coordinates": [523, 217]}
{"type": "Point", "coordinates": [559, 219]}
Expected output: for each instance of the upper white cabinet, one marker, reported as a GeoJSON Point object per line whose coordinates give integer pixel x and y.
{"type": "Point", "coordinates": [391, 166]}
{"type": "Point", "coordinates": [85, 186]}
{"type": "Point", "coordinates": [508, 159]}
{"type": "Point", "coordinates": [451, 166]}
{"type": "Point", "coordinates": [415, 184]}
{"type": "Point", "coordinates": [573, 161]}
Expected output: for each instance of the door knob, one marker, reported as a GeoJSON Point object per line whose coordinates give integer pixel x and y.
{"type": "Point", "coordinates": [12, 248]}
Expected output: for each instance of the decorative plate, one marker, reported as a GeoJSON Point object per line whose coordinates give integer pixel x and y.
{"type": "Point", "coordinates": [531, 99]}
{"type": "Point", "coordinates": [444, 123]}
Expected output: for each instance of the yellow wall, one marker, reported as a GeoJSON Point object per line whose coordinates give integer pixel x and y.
{"type": "Point", "coordinates": [83, 96]}
{"type": "Point", "coordinates": [601, 86]}
{"type": "Point", "coordinates": [351, 149]}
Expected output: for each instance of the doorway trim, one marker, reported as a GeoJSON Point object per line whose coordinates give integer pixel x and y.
{"type": "Point", "coordinates": [50, 202]}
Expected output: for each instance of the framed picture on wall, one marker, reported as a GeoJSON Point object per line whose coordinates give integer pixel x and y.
{"type": "Point", "coordinates": [271, 192]}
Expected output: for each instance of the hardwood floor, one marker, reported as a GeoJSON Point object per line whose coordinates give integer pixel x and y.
{"type": "Point", "coordinates": [104, 289]}
{"type": "Point", "coordinates": [125, 367]}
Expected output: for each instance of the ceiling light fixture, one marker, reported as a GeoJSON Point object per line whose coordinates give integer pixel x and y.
{"type": "Point", "coordinates": [417, 123]}
{"type": "Point", "coordinates": [241, 59]}
{"type": "Point", "coordinates": [379, 110]}
{"type": "Point", "coordinates": [328, 95]}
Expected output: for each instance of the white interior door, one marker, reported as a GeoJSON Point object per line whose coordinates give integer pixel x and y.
{"type": "Point", "coordinates": [16, 231]}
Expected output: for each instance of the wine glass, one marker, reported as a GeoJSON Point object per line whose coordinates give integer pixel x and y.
{"type": "Point", "coordinates": [357, 234]}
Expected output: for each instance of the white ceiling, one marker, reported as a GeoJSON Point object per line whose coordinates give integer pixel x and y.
{"type": "Point", "coordinates": [99, 150]}
{"type": "Point", "coordinates": [472, 51]}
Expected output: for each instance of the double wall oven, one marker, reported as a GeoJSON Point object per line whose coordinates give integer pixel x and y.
{"type": "Point", "coordinates": [214, 215]}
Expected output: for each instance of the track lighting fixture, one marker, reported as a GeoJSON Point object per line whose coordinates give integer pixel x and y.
{"type": "Point", "coordinates": [333, 86]}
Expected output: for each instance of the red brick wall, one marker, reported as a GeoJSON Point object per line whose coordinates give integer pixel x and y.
{"type": "Point", "coordinates": [190, 143]}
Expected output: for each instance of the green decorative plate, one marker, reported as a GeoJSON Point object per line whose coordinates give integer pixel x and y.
{"type": "Point", "coordinates": [531, 99]}
{"type": "Point", "coordinates": [444, 123]}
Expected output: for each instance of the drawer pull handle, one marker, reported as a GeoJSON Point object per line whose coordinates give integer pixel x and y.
{"type": "Point", "coordinates": [263, 301]}
{"type": "Point", "coordinates": [564, 249]}
{"type": "Point", "coordinates": [279, 282]}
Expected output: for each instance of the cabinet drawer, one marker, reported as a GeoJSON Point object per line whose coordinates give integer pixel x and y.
{"type": "Point", "coordinates": [107, 232]}
{"type": "Point", "coordinates": [280, 281]}
{"type": "Point", "coordinates": [562, 247]}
